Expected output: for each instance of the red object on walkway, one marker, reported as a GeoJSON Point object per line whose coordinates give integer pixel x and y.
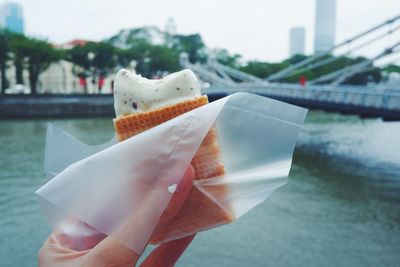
{"type": "Point", "coordinates": [82, 82]}
{"type": "Point", "coordinates": [303, 80]}
{"type": "Point", "coordinates": [101, 82]}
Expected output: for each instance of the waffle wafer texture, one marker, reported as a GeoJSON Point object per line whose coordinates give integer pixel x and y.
{"type": "Point", "coordinates": [198, 212]}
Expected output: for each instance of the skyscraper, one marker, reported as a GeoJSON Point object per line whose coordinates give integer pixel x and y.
{"type": "Point", "coordinates": [11, 17]}
{"type": "Point", "coordinates": [297, 39]}
{"type": "Point", "coordinates": [325, 25]}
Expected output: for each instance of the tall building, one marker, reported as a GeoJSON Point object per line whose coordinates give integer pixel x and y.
{"type": "Point", "coordinates": [11, 17]}
{"type": "Point", "coordinates": [325, 25]}
{"type": "Point", "coordinates": [297, 39]}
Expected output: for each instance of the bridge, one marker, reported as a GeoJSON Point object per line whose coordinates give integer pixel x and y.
{"type": "Point", "coordinates": [327, 92]}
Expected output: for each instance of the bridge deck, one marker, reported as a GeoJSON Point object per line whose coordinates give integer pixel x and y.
{"type": "Point", "coordinates": [366, 102]}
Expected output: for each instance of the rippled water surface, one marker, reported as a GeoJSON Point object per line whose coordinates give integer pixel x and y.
{"type": "Point", "coordinates": [341, 206]}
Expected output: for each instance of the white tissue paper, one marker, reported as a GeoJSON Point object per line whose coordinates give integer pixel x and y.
{"type": "Point", "coordinates": [98, 191]}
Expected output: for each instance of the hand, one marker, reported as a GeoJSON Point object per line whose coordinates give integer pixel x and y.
{"type": "Point", "coordinates": [110, 253]}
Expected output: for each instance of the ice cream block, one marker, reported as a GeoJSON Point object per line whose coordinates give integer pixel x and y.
{"type": "Point", "coordinates": [141, 104]}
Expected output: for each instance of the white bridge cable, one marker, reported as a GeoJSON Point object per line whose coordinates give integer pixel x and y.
{"type": "Point", "coordinates": [341, 75]}
{"type": "Point", "coordinates": [204, 73]}
{"type": "Point", "coordinates": [362, 68]}
{"type": "Point", "coordinates": [372, 67]}
{"type": "Point", "coordinates": [333, 59]}
{"type": "Point", "coordinates": [219, 71]}
{"type": "Point", "coordinates": [390, 61]}
{"type": "Point", "coordinates": [238, 74]}
{"type": "Point", "coordinates": [288, 71]}
{"type": "Point", "coordinates": [219, 74]}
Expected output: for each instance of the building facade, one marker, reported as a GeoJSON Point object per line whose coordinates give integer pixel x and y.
{"type": "Point", "coordinates": [11, 17]}
{"type": "Point", "coordinates": [325, 25]}
{"type": "Point", "coordinates": [58, 79]}
{"type": "Point", "coordinates": [297, 40]}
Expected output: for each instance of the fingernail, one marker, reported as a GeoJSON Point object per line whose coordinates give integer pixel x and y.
{"type": "Point", "coordinates": [172, 188]}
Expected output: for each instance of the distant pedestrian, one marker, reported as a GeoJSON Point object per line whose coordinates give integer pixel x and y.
{"type": "Point", "coordinates": [302, 80]}
{"type": "Point", "coordinates": [101, 83]}
{"type": "Point", "coordinates": [82, 83]}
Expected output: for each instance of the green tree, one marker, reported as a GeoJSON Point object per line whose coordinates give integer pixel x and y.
{"type": "Point", "coordinates": [18, 44]}
{"type": "Point", "coordinates": [193, 45]}
{"type": "Point", "coordinates": [139, 52]}
{"type": "Point", "coordinates": [93, 59]}
{"type": "Point", "coordinates": [263, 69]}
{"type": "Point", "coordinates": [39, 55]}
{"type": "Point", "coordinates": [150, 59]}
{"type": "Point", "coordinates": [308, 74]}
{"type": "Point", "coordinates": [105, 57]}
{"type": "Point", "coordinates": [78, 55]}
{"type": "Point", "coordinates": [224, 57]}
{"type": "Point", "coordinates": [4, 56]}
{"type": "Point", "coordinates": [392, 68]}
{"type": "Point", "coordinates": [125, 57]}
{"type": "Point", "coordinates": [295, 59]}
{"type": "Point", "coordinates": [374, 75]}
{"type": "Point", "coordinates": [162, 59]}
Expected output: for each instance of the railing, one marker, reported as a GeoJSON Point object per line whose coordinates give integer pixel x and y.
{"type": "Point", "coordinates": [378, 98]}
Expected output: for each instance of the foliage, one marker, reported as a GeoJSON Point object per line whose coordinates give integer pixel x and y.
{"type": "Point", "coordinates": [191, 44]}
{"type": "Point", "coordinates": [295, 59]}
{"type": "Point", "coordinates": [93, 58]}
{"type": "Point", "coordinates": [307, 74]}
{"type": "Point", "coordinates": [224, 57]}
{"type": "Point", "coordinates": [162, 59]}
{"type": "Point", "coordinates": [4, 56]}
{"type": "Point", "coordinates": [392, 68]}
{"type": "Point", "coordinates": [151, 60]}
{"type": "Point", "coordinates": [39, 55]}
{"type": "Point", "coordinates": [30, 53]}
{"type": "Point", "coordinates": [18, 44]}
{"type": "Point", "coordinates": [263, 69]}
{"type": "Point", "coordinates": [364, 78]}
{"type": "Point", "coordinates": [342, 62]}
{"type": "Point", "coordinates": [148, 37]}
{"type": "Point", "coordinates": [128, 38]}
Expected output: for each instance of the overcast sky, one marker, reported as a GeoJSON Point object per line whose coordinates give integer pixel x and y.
{"type": "Point", "coordinates": [257, 29]}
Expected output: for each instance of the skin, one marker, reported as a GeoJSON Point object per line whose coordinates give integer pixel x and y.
{"type": "Point", "coordinates": [111, 253]}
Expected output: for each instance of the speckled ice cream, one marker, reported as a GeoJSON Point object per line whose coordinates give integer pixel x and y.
{"type": "Point", "coordinates": [134, 93]}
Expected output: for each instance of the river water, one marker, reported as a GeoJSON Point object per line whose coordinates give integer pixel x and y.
{"type": "Point", "coordinates": [341, 206]}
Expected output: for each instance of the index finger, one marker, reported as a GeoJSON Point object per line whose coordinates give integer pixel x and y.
{"type": "Point", "coordinates": [115, 251]}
